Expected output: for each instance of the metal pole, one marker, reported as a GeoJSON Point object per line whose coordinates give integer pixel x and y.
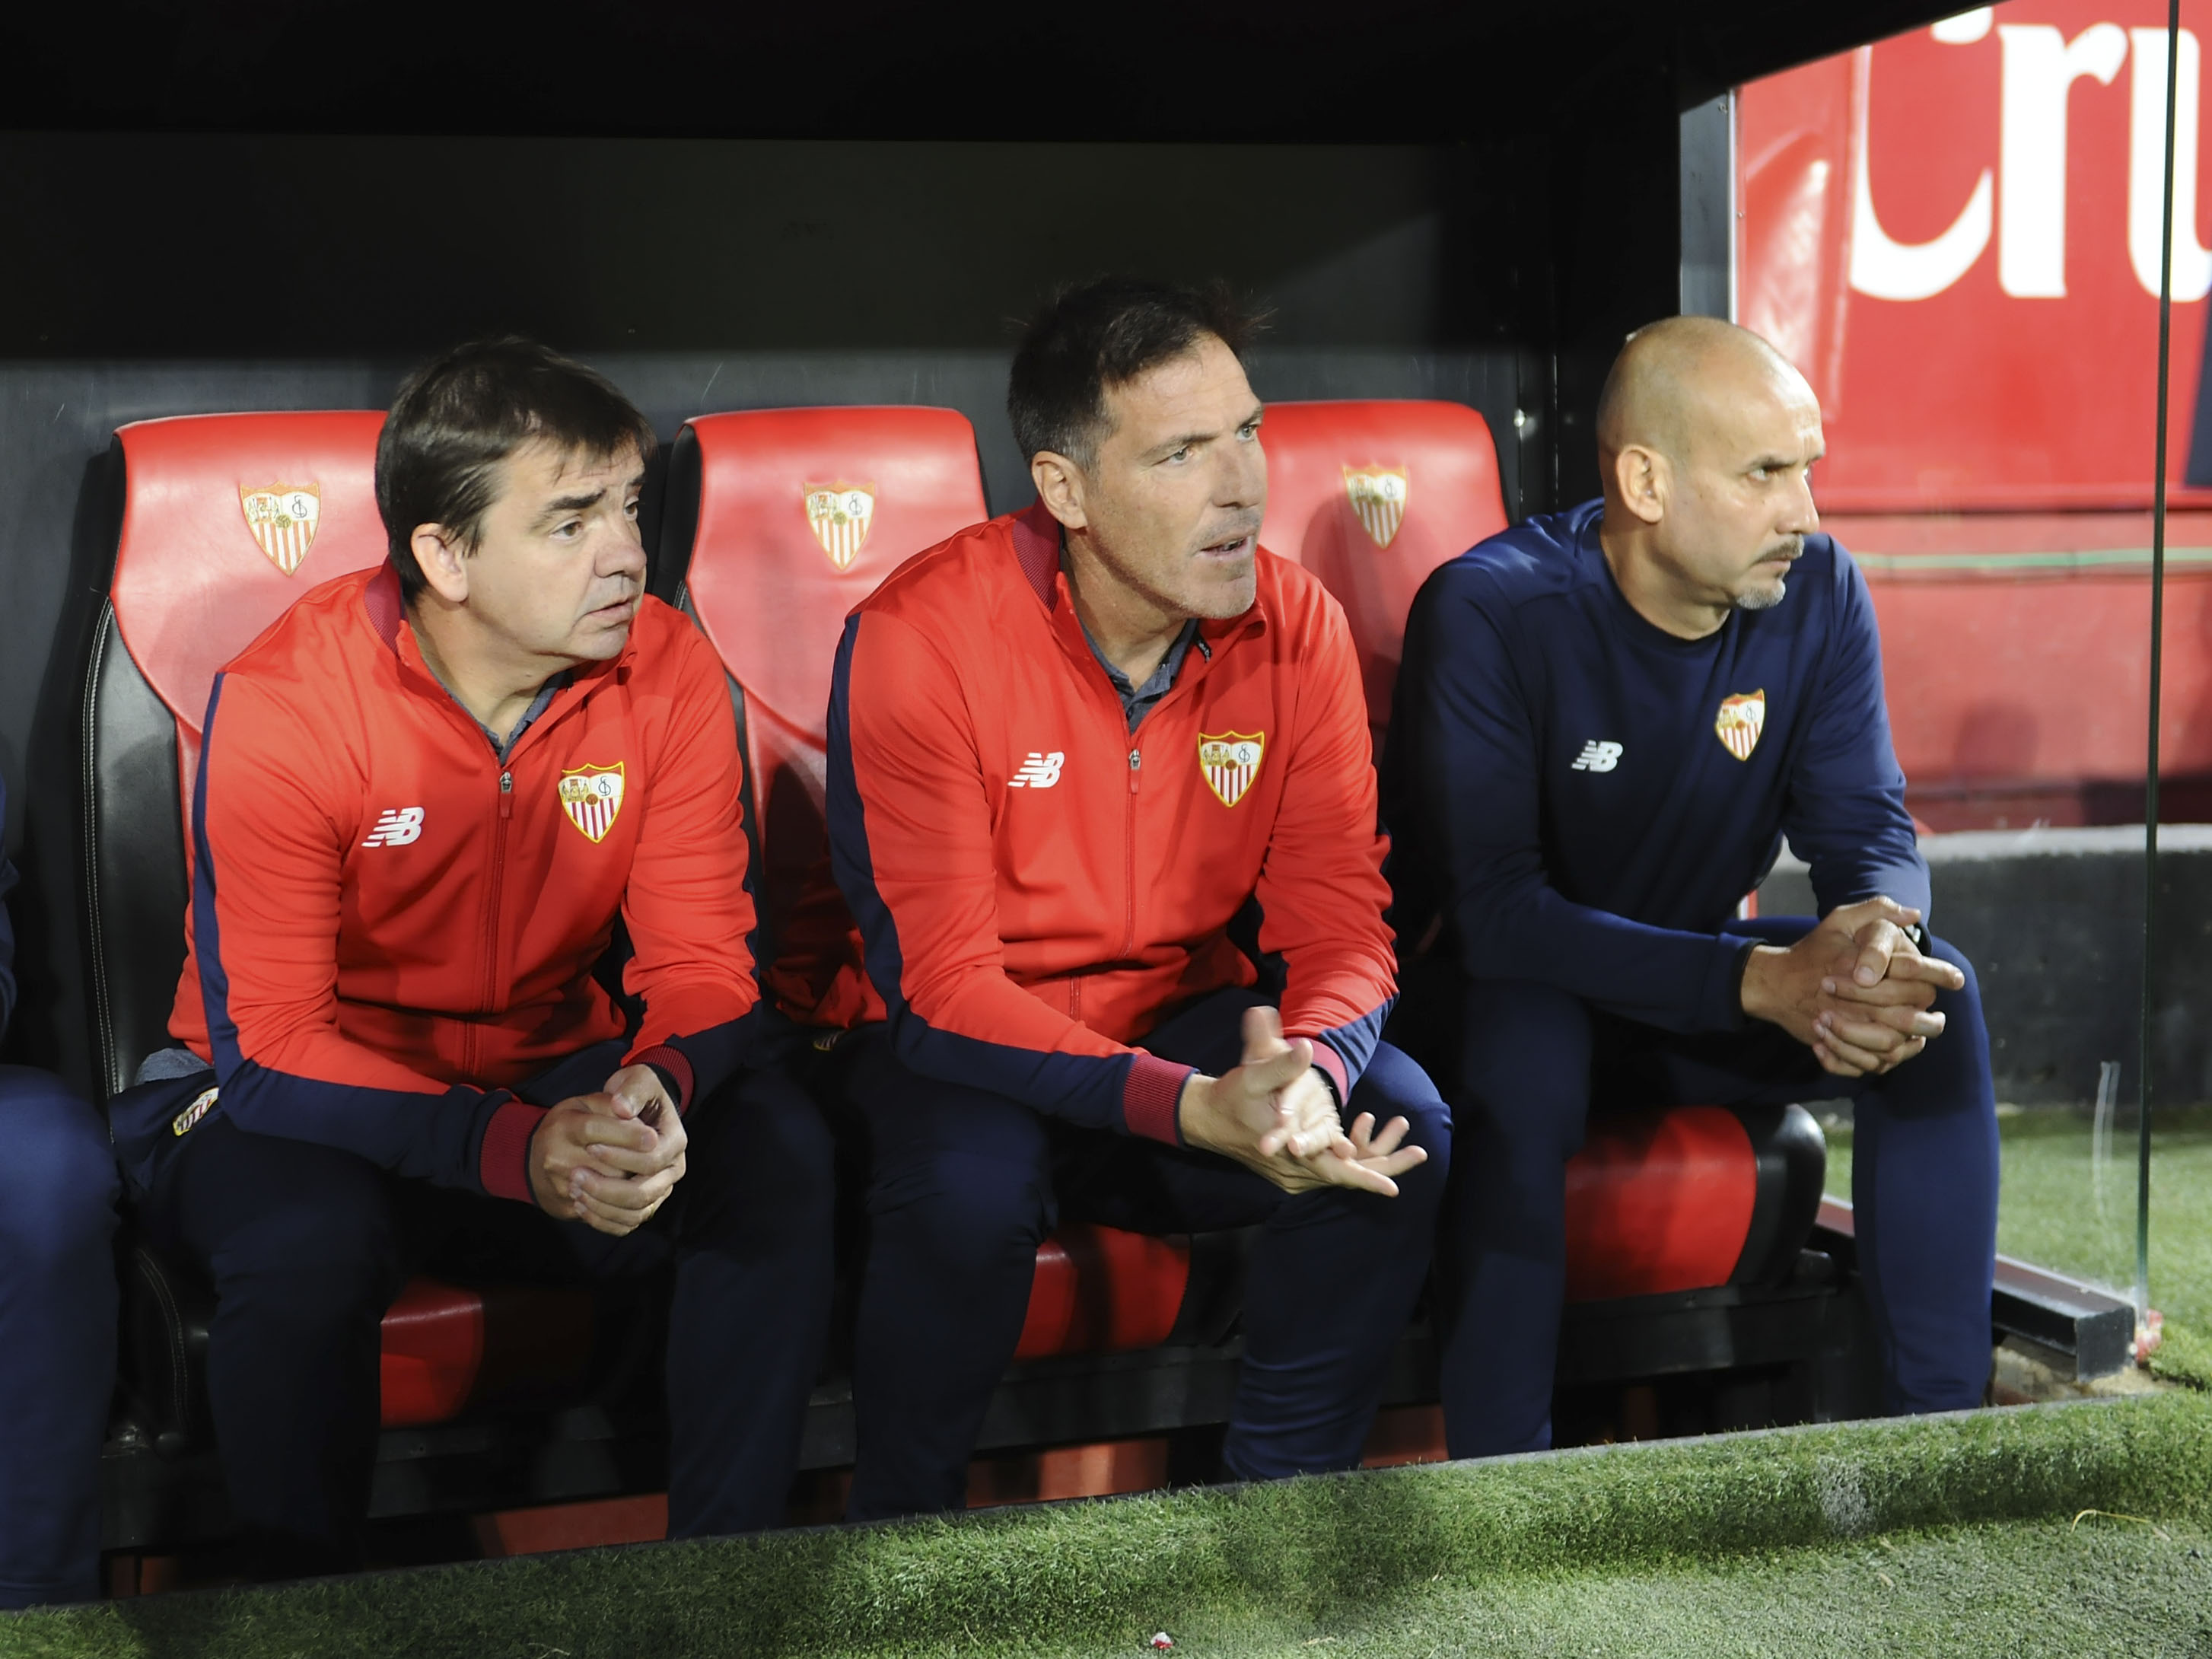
{"type": "Point", "coordinates": [2157, 674]}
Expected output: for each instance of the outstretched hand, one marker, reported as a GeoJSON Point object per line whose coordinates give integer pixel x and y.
{"type": "Point", "coordinates": [609, 1159]}
{"type": "Point", "coordinates": [1274, 1115]}
{"type": "Point", "coordinates": [1855, 990]}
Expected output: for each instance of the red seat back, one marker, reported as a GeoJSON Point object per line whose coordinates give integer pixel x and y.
{"type": "Point", "coordinates": [215, 545]}
{"type": "Point", "coordinates": [801, 512]}
{"type": "Point", "coordinates": [1371, 497]}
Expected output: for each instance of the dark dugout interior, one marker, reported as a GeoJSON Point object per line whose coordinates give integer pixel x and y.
{"type": "Point", "coordinates": [256, 205]}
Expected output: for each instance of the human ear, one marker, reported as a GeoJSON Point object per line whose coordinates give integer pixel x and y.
{"type": "Point", "coordinates": [1643, 481]}
{"type": "Point", "coordinates": [444, 567]}
{"type": "Point", "coordinates": [1059, 486]}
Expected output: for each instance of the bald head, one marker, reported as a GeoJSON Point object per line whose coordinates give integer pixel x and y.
{"type": "Point", "coordinates": [1706, 443]}
{"type": "Point", "coordinates": [1678, 378]}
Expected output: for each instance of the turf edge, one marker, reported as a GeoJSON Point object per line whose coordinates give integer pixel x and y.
{"type": "Point", "coordinates": [1105, 1572]}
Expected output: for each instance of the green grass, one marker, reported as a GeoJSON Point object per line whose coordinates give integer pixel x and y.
{"type": "Point", "coordinates": [1932, 1536]}
{"type": "Point", "coordinates": [2049, 1213]}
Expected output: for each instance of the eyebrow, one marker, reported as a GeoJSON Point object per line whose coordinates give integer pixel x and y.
{"type": "Point", "coordinates": [1168, 446]}
{"type": "Point", "coordinates": [561, 504]}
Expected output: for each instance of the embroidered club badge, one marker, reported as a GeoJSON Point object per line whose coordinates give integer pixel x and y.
{"type": "Point", "coordinates": [592, 796]}
{"type": "Point", "coordinates": [1741, 718]}
{"type": "Point", "coordinates": [282, 518]}
{"type": "Point", "coordinates": [193, 1113]}
{"type": "Point", "coordinates": [839, 516]}
{"type": "Point", "coordinates": [1378, 497]}
{"type": "Point", "coordinates": [1230, 763]}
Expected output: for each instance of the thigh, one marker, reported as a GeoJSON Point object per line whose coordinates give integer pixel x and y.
{"type": "Point", "coordinates": [262, 1208]}
{"type": "Point", "coordinates": [950, 1150]}
{"type": "Point", "coordinates": [1145, 1186]}
{"type": "Point", "coordinates": [759, 1158]}
{"type": "Point", "coordinates": [1759, 1065]}
{"type": "Point", "coordinates": [65, 1183]}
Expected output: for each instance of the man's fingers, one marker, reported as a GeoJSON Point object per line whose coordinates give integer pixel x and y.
{"type": "Point", "coordinates": [599, 1130]}
{"type": "Point", "coordinates": [1928, 970]}
{"type": "Point", "coordinates": [1278, 1070]}
{"type": "Point", "coordinates": [1830, 1064]}
{"type": "Point", "coordinates": [1872, 964]}
{"type": "Point", "coordinates": [1897, 990]}
{"type": "Point", "coordinates": [1850, 1054]}
{"type": "Point", "coordinates": [1263, 1034]}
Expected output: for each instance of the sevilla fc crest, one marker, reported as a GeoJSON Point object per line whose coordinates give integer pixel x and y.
{"type": "Point", "coordinates": [1378, 497]}
{"type": "Point", "coordinates": [592, 796]}
{"type": "Point", "coordinates": [282, 518]}
{"type": "Point", "coordinates": [1230, 763]}
{"type": "Point", "coordinates": [1741, 719]}
{"type": "Point", "coordinates": [840, 514]}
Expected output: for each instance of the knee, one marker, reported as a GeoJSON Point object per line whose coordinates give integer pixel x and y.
{"type": "Point", "coordinates": [1524, 1089]}
{"type": "Point", "coordinates": [761, 1156]}
{"type": "Point", "coordinates": [1393, 1085]}
{"type": "Point", "coordinates": [63, 1184]}
{"type": "Point", "coordinates": [965, 1211]}
{"type": "Point", "coordinates": [320, 1260]}
{"type": "Point", "coordinates": [1944, 951]}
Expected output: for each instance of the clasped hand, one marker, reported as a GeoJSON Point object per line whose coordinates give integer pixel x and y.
{"type": "Point", "coordinates": [1855, 990]}
{"type": "Point", "coordinates": [1274, 1115]}
{"type": "Point", "coordinates": [609, 1159]}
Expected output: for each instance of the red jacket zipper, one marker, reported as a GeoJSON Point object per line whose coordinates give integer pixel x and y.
{"type": "Point", "coordinates": [1129, 860]}
{"type": "Point", "coordinates": [492, 905]}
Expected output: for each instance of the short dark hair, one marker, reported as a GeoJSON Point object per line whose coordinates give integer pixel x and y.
{"type": "Point", "coordinates": [1104, 334]}
{"type": "Point", "coordinates": [464, 413]}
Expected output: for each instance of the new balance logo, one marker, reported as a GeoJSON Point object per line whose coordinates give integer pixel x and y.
{"type": "Point", "coordinates": [1038, 771]}
{"type": "Point", "coordinates": [1597, 757]}
{"type": "Point", "coordinates": [395, 827]}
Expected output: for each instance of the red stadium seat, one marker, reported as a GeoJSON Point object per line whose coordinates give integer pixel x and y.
{"type": "Point", "coordinates": [228, 519]}
{"type": "Point", "coordinates": [1371, 497]}
{"type": "Point", "coordinates": [800, 513]}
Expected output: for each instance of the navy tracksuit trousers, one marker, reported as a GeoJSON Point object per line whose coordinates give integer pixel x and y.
{"type": "Point", "coordinates": [57, 1298]}
{"type": "Point", "coordinates": [1523, 1063]}
{"type": "Point", "coordinates": [307, 1245]}
{"type": "Point", "coordinates": [964, 1184]}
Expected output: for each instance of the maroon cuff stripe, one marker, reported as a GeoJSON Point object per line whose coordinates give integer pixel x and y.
{"type": "Point", "coordinates": [1150, 1097]}
{"type": "Point", "coordinates": [1330, 1064]}
{"type": "Point", "coordinates": [504, 1160]}
{"type": "Point", "coordinates": [670, 1061]}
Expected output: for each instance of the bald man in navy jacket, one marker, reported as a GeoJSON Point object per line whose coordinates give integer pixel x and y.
{"type": "Point", "coordinates": [1606, 722]}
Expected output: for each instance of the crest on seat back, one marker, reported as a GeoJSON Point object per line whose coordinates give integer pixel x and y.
{"type": "Point", "coordinates": [1377, 494]}
{"type": "Point", "coordinates": [282, 518]}
{"type": "Point", "coordinates": [839, 516]}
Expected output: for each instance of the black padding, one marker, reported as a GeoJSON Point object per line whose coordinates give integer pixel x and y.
{"type": "Point", "coordinates": [1793, 1166]}
{"type": "Point", "coordinates": [133, 859]}
{"type": "Point", "coordinates": [166, 1314]}
{"type": "Point", "coordinates": [678, 525]}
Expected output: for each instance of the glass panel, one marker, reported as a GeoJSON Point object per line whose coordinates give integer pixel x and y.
{"type": "Point", "coordinates": [1954, 234]}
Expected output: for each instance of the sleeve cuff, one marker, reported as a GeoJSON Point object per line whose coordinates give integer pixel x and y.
{"type": "Point", "coordinates": [503, 1158]}
{"type": "Point", "coordinates": [1150, 1097]}
{"type": "Point", "coordinates": [675, 1071]}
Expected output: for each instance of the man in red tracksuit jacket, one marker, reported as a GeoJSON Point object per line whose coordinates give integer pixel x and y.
{"type": "Point", "coordinates": [1099, 794]}
{"type": "Point", "coordinates": [426, 797]}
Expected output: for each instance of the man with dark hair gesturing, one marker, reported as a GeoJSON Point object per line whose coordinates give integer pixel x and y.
{"type": "Point", "coordinates": [1076, 756]}
{"type": "Point", "coordinates": [1606, 721]}
{"type": "Point", "coordinates": [427, 796]}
